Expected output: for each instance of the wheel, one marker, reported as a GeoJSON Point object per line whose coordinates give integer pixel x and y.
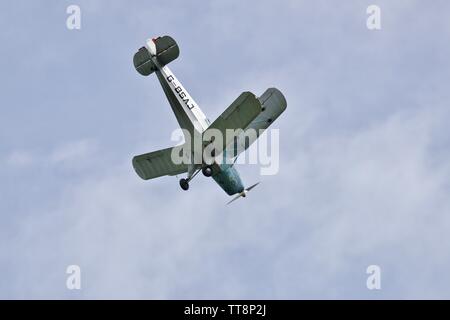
{"type": "Point", "coordinates": [207, 171]}
{"type": "Point", "coordinates": [184, 184]}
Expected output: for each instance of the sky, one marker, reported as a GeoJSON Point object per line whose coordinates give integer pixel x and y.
{"type": "Point", "coordinates": [364, 176]}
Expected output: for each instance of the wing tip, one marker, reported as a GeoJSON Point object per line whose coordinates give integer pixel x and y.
{"type": "Point", "coordinates": [136, 168]}
{"type": "Point", "coordinates": [275, 91]}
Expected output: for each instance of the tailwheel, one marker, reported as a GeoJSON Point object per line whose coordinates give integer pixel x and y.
{"type": "Point", "coordinates": [184, 184]}
{"type": "Point", "coordinates": [207, 171]}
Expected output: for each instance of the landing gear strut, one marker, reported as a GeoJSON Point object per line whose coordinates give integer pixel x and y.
{"type": "Point", "coordinates": [184, 183]}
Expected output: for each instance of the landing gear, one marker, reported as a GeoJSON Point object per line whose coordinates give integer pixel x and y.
{"type": "Point", "coordinates": [184, 184]}
{"type": "Point", "coordinates": [207, 171]}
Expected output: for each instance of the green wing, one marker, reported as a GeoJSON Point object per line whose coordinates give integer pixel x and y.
{"type": "Point", "coordinates": [238, 115]}
{"type": "Point", "coordinates": [156, 164]}
{"type": "Point", "coordinates": [273, 105]}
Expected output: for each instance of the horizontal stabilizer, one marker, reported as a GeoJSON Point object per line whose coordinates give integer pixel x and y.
{"type": "Point", "coordinates": [165, 50]}
{"type": "Point", "coordinates": [143, 63]}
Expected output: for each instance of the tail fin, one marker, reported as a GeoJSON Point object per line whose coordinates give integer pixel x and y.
{"type": "Point", "coordinates": [163, 49]}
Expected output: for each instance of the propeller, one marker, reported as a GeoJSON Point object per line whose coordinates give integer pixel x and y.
{"type": "Point", "coordinates": [243, 193]}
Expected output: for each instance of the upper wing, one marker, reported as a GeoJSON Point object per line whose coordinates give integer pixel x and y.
{"type": "Point", "coordinates": [156, 164]}
{"type": "Point", "coordinates": [273, 105]}
{"type": "Point", "coordinates": [238, 115]}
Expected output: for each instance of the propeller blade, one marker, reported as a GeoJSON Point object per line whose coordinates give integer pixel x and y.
{"type": "Point", "coordinates": [251, 187]}
{"type": "Point", "coordinates": [235, 198]}
{"type": "Point", "coordinates": [243, 193]}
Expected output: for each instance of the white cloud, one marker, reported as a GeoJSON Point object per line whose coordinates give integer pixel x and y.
{"type": "Point", "coordinates": [360, 199]}
{"type": "Point", "coordinates": [19, 158]}
{"type": "Point", "coordinates": [73, 152]}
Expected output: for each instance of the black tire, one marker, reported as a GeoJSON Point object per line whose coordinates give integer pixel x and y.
{"type": "Point", "coordinates": [184, 184]}
{"type": "Point", "coordinates": [207, 171]}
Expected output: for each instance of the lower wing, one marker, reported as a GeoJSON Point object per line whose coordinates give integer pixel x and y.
{"type": "Point", "coordinates": [158, 163]}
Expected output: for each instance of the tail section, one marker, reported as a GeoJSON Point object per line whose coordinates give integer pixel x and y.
{"type": "Point", "coordinates": [164, 49]}
{"type": "Point", "coordinates": [153, 58]}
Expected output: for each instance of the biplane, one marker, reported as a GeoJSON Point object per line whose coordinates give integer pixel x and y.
{"type": "Point", "coordinates": [247, 113]}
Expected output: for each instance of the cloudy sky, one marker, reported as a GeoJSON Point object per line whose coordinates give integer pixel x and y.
{"type": "Point", "coordinates": [364, 151]}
